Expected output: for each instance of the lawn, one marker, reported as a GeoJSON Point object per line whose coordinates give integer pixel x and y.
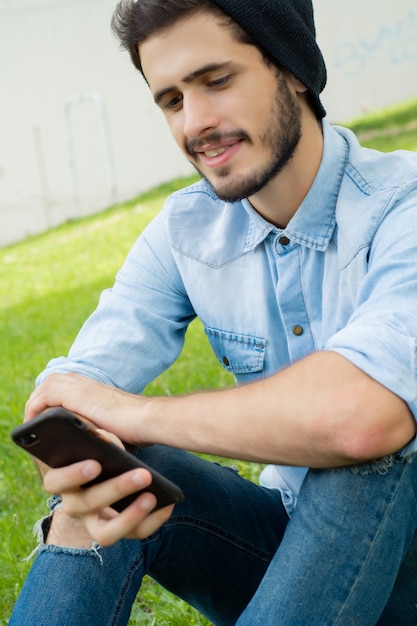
{"type": "Point", "coordinates": [48, 286]}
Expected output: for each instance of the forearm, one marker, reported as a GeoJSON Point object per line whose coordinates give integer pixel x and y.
{"type": "Point", "coordinates": [320, 412]}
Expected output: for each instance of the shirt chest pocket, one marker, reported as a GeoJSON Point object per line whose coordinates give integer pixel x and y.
{"type": "Point", "coordinates": [242, 355]}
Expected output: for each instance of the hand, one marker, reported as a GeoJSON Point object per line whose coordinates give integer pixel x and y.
{"type": "Point", "coordinates": [105, 406]}
{"type": "Point", "coordinates": [92, 505]}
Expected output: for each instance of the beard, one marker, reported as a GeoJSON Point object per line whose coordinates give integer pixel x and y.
{"type": "Point", "coordinates": [281, 134]}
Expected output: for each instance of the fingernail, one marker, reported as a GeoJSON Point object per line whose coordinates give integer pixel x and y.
{"type": "Point", "coordinates": [90, 470]}
{"type": "Point", "coordinates": [147, 502]}
{"type": "Point", "coordinates": [137, 479]}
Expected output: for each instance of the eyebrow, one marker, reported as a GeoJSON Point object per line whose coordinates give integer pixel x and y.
{"type": "Point", "coordinates": [191, 77]}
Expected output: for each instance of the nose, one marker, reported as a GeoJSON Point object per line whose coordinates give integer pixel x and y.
{"type": "Point", "coordinates": [199, 115]}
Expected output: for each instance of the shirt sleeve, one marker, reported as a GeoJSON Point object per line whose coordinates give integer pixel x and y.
{"type": "Point", "coordinates": [137, 330]}
{"type": "Point", "coordinates": [381, 335]}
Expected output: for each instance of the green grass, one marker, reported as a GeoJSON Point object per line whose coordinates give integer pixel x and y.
{"type": "Point", "coordinates": [389, 129]}
{"type": "Point", "coordinates": [48, 286]}
{"type": "Point", "coordinates": [398, 116]}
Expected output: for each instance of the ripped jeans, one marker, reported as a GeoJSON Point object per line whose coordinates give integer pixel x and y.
{"type": "Point", "coordinates": [347, 556]}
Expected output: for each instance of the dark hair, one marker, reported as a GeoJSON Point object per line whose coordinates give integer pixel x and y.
{"type": "Point", "coordinates": [134, 21]}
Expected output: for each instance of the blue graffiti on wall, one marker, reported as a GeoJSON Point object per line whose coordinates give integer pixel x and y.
{"type": "Point", "coordinates": [392, 44]}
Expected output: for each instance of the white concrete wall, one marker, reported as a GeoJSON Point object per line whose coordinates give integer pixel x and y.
{"type": "Point", "coordinates": [50, 51]}
{"type": "Point", "coordinates": [370, 47]}
{"type": "Point", "coordinates": [53, 51]}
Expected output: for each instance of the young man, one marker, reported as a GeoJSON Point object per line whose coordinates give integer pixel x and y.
{"type": "Point", "coordinates": [297, 251]}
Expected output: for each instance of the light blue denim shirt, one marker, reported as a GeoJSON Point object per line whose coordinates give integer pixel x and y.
{"type": "Point", "coordinates": [342, 276]}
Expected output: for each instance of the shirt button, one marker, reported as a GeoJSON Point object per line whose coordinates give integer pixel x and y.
{"type": "Point", "coordinates": [284, 241]}
{"type": "Point", "coordinates": [298, 331]}
{"type": "Point", "coordinates": [226, 361]}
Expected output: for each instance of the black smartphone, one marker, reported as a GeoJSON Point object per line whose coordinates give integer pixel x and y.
{"type": "Point", "coordinates": [59, 438]}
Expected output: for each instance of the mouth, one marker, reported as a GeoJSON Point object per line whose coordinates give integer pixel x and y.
{"type": "Point", "coordinates": [216, 149]}
{"type": "Point", "coordinates": [215, 156]}
{"type": "Point", "coordinates": [215, 152]}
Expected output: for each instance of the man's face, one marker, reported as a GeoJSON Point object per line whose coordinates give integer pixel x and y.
{"type": "Point", "coordinates": [235, 118]}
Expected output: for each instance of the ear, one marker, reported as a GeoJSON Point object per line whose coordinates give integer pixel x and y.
{"type": "Point", "coordinates": [297, 84]}
{"type": "Point", "coordinates": [294, 83]}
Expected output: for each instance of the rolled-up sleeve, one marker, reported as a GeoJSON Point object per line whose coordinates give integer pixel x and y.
{"type": "Point", "coordinates": [381, 335]}
{"type": "Point", "coordinates": [138, 327]}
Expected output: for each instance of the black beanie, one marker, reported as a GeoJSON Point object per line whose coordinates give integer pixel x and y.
{"type": "Point", "coordinates": [285, 31]}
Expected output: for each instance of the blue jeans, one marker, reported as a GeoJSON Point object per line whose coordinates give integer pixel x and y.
{"type": "Point", "coordinates": [347, 556]}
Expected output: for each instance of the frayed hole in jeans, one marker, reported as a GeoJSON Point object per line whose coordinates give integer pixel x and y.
{"type": "Point", "coordinates": [379, 466]}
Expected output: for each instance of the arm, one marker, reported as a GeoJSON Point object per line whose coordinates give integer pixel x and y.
{"type": "Point", "coordinates": [337, 416]}
{"type": "Point", "coordinates": [146, 309]}
{"type": "Point", "coordinates": [320, 412]}
{"type": "Point", "coordinates": [148, 281]}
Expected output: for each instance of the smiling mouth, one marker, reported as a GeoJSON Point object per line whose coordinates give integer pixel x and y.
{"type": "Point", "coordinates": [215, 145]}
{"type": "Point", "coordinates": [216, 152]}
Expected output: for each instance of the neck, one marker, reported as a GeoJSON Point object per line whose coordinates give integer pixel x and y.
{"type": "Point", "coordinates": [278, 201]}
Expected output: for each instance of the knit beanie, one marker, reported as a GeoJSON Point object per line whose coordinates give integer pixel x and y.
{"type": "Point", "coordinates": [285, 31]}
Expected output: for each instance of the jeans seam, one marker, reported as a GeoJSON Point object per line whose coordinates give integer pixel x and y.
{"type": "Point", "coordinates": [363, 564]}
{"type": "Point", "coordinates": [132, 569]}
{"type": "Point", "coordinates": [217, 532]}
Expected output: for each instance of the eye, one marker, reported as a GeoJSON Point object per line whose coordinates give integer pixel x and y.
{"type": "Point", "coordinates": [172, 102]}
{"type": "Point", "coordinates": [220, 81]}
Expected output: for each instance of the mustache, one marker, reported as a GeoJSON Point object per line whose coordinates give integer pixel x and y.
{"type": "Point", "coordinates": [193, 146]}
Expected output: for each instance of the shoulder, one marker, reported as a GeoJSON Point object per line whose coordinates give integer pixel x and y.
{"type": "Point", "coordinates": [374, 171]}
{"type": "Point", "coordinates": [374, 186]}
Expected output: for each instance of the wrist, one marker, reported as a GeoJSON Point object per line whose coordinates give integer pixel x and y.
{"type": "Point", "coordinates": [144, 417]}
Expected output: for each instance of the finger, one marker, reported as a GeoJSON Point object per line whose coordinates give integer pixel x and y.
{"type": "Point", "coordinates": [102, 495]}
{"type": "Point", "coordinates": [152, 522]}
{"type": "Point", "coordinates": [105, 434]}
{"type": "Point", "coordinates": [34, 406]}
{"type": "Point", "coordinates": [56, 390]}
{"type": "Point", "coordinates": [45, 396]}
{"type": "Point", "coordinates": [135, 522]}
{"type": "Point", "coordinates": [71, 477]}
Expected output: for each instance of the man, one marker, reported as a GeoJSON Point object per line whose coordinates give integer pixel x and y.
{"type": "Point", "coordinates": [297, 251]}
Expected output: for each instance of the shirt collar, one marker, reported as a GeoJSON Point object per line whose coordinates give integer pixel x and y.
{"type": "Point", "coordinates": [314, 222]}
